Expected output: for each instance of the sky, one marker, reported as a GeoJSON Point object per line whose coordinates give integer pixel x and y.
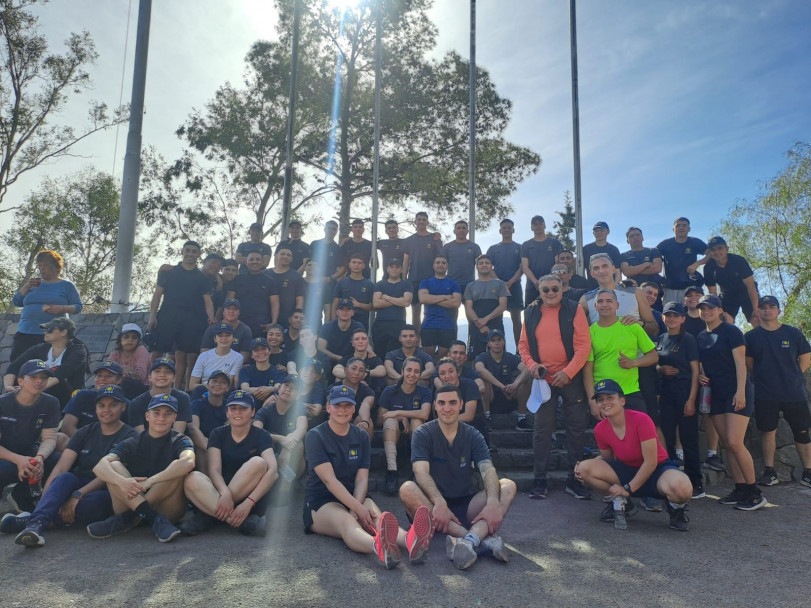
{"type": "Point", "coordinates": [685, 107]}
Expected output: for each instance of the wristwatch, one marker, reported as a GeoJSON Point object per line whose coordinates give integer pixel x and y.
{"type": "Point", "coordinates": [627, 488]}
{"type": "Point", "coordinates": [77, 495]}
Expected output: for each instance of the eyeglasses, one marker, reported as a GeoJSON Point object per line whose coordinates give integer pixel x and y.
{"type": "Point", "coordinates": [548, 289]}
{"type": "Point", "coordinates": [560, 271]}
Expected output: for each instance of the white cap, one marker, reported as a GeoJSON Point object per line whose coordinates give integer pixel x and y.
{"type": "Point", "coordinates": [131, 327]}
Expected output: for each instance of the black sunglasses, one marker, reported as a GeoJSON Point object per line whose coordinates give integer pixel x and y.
{"type": "Point", "coordinates": [548, 289]}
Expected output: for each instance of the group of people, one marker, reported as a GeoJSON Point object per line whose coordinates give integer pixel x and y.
{"type": "Point", "coordinates": [261, 375]}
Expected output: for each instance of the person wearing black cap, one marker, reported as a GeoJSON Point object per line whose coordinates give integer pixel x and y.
{"type": "Point", "coordinates": [418, 258]}
{"type": "Point", "coordinates": [285, 418]}
{"type": "Point", "coordinates": [335, 499]}
{"type": "Point", "coordinates": [722, 352]}
{"type": "Point", "coordinates": [81, 409]}
{"type": "Point", "coordinates": [145, 476]}
{"type": "Point", "coordinates": [777, 356]}
{"type": "Point", "coordinates": [161, 379]}
{"type": "Point", "coordinates": [253, 244]}
{"type": "Point", "coordinates": [680, 256]}
{"type": "Point", "coordinates": [28, 421]}
{"type": "Point", "coordinates": [485, 301]}
{"type": "Point", "coordinates": [222, 357]}
{"type": "Point", "coordinates": [632, 462]}
{"type": "Point", "coordinates": [207, 413]}
{"type": "Point", "coordinates": [641, 263]}
{"type": "Point", "coordinates": [506, 258]}
{"type": "Point", "coordinates": [538, 255]}
{"type": "Point", "coordinates": [601, 245]}
{"type": "Point", "coordinates": [72, 494]}
{"type": "Point", "coordinates": [734, 276]}
{"type": "Point", "coordinates": [242, 333]}
{"type": "Point", "coordinates": [692, 321]}
{"type": "Point", "coordinates": [391, 298]}
{"type": "Point", "coordinates": [260, 378]}
{"type": "Point", "coordinates": [242, 469]}
{"type": "Point", "coordinates": [678, 388]}
{"type": "Point", "coordinates": [507, 381]}
{"type": "Point", "coordinates": [355, 287]}
{"type": "Point", "coordinates": [289, 284]}
{"type": "Point", "coordinates": [299, 249]}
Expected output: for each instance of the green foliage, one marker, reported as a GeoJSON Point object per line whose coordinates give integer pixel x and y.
{"type": "Point", "coordinates": [773, 232]}
{"type": "Point", "coordinates": [567, 224]}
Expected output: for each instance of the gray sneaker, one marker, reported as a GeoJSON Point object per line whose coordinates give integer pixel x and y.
{"type": "Point", "coordinates": [496, 546]}
{"type": "Point", "coordinates": [165, 531]}
{"type": "Point", "coordinates": [113, 525]}
{"type": "Point", "coordinates": [464, 555]}
{"type": "Point", "coordinates": [254, 525]}
{"type": "Point", "coordinates": [12, 524]}
{"type": "Point", "coordinates": [715, 463]}
{"type": "Point", "coordinates": [769, 477]}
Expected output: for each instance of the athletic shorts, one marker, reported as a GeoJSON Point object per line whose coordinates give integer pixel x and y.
{"type": "Point", "coordinates": [311, 506]}
{"type": "Point", "coordinates": [732, 308]}
{"type": "Point", "coordinates": [501, 403]}
{"type": "Point", "coordinates": [437, 337]}
{"type": "Point", "coordinates": [459, 507]}
{"type": "Point", "coordinates": [180, 330]}
{"type": "Point", "coordinates": [767, 415]}
{"type": "Point", "coordinates": [516, 299]}
{"type": "Point", "coordinates": [626, 473]}
{"type": "Point", "coordinates": [722, 404]}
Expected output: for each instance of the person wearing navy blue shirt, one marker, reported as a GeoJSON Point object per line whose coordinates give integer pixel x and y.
{"type": "Point", "coordinates": [441, 296]}
{"type": "Point", "coordinates": [355, 244]}
{"type": "Point", "coordinates": [538, 255]}
{"type": "Point", "coordinates": [472, 408]}
{"type": "Point", "coordinates": [777, 356]}
{"type": "Point", "coordinates": [641, 263]}
{"type": "Point", "coordinates": [393, 247]}
{"type": "Point", "coordinates": [260, 379]}
{"type": "Point", "coordinates": [506, 378]}
{"type": "Point", "coordinates": [506, 257]}
{"type": "Point", "coordinates": [355, 378]}
{"type": "Point", "coordinates": [391, 298]}
{"type": "Point", "coordinates": [357, 288]}
{"type": "Point", "coordinates": [300, 249]}
{"type": "Point", "coordinates": [375, 370]}
{"type": "Point", "coordinates": [335, 337]}
{"type": "Point", "coordinates": [408, 348]}
{"type": "Point", "coordinates": [329, 259]}
{"type": "Point", "coordinates": [461, 254]}
{"type": "Point", "coordinates": [289, 284]}
{"type": "Point", "coordinates": [458, 352]}
{"type": "Point", "coordinates": [258, 295]}
{"type": "Point", "coordinates": [208, 413]}
{"type": "Point", "coordinates": [418, 259]}
{"type": "Point", "coordinates": [680, 256]}
{"type": "Point", "coordinates": [285, 418]}
{"type": "Point", "coordinates": [601, 245]}
{"type": "Point", "coordinates": [81, 409]}
{"type": "Point", "coordinates": [253, 244]}
{"type": "Point", "coordinates": [161, 379]}
{"type": "Point", "coordinates": [733, 275]}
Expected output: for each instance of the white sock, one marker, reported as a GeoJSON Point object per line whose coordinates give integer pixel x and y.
{"type": "Point", "coordinates": [676, 505]}
{"type": "Point", "coordinates": [711, 453]}
{"type": "Point", "coordinates": [680, 454]}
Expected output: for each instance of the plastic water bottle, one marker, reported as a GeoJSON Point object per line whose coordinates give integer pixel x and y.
{"type": "Point", "coordinates": [704, 399]}
{"type": "Point", "coordinates": [287, 473]}
{"type": "Point", "coordinates": [34, 485]}
{"type": "Point", "coordinates": [619, 514]}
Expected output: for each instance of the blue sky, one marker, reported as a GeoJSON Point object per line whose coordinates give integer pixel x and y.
{"type": "Point", "coordinates": [685, 107]}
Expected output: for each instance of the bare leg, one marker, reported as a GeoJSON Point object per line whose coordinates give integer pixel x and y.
{"type": "Point", "coordinates": [413, 498]}
{"type": "Point", "coordinates": [515, 315]}
{"type": "Point", "coordinates": [598, 475]}
{"type": "Point", "coordinates": [334, 520]}
{"type": "Point", "coordinates": [507, 491]}
{"type": "Point", "coordinates": [675, 486]}
{"type": "Point", "coordinates": [732, 431]}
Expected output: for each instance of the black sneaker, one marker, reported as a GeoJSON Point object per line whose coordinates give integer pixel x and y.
{"type": "Point", "coordinates": [607, 514]}
{"type": "Point", "coordinates": [698, 492]}
{"type": "Point", "coordinates": [806, 478]}
{"type": "Point", "coordinates": [12, 524]}
{"type": "Point", "coordinates": [31, 536]}
{"type": "Point", "coordinates": [752, 501]}
{"type": "Point", "coordinates": [113, 525]}
{"type": "Point", "coordinates": [165, 531]}
{"type": "Point", "coordinates": [523, 424]}
{"type": "Point", "coordinates": [538, 489]}
{"type": "Point", "coordinates": [254, 525]}
{"type": "Point", "coordinates": [715, 463]}
{"type": "Point", "coordinates": [678, 518]}
{"type": "Point", "coordinates": [195, 522]}
{"type": "Point", "coordinates": [680, 460]}
{"type": "Point", "coordinates": [769, 477]}
{"type": "Point", "coordinates": [577, 489]}
{"type": "Point", "coordinates": [392, 482]}
{"type": "Point", "coordinates": [20, 498]}
{"type": "Point", "coordinates": [733, 497]}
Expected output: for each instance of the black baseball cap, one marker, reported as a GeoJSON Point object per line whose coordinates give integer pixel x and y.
{"type": "Point", "coordinates": [537, 218]}
{"type": "Point", "coordinates": [167, 361]}
{"type": "Point", "coordinates": [716, 240]}
{"type": "Point", "coordinates": [230, 302]}
{"type": "Point", "coordinates": [768, 301]}
{"type": "Point", "coordinates": [693, 288]}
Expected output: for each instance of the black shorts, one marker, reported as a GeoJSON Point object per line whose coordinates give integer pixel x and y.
{"type": "Point", "coordinates": [635, 401]}
{"type": "Point", "coordinates": [310, 506]}
{"type": "Point", "coordinates": [722, 404]}
{"type": "Point", "coordinates": [179, 329]}
{"type": "Point", "coordinates": [731, 308]}
{"type": "Point", "coordinates": [501, 403]}
{"type": "Point", "coordinates": [516, 299]}
{"type": "Point", "coordinates": [437, 337]}
{"type": "Point", "coordinates": [767, 416]}
{"type": "Point", "coordinates": [459, 507]}
{"type": "Point", "coordinates": [626, 473]}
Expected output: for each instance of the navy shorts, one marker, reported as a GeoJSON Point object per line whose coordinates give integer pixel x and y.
{"type": "Point", "coordinates": [438, 337]}
{"type": "Point", "coordinates": [516, 299]}
{"type": "Point", "coordinates": [310, 506]}
{"type": "Point", "coordinates": [722, 404]}
{"type": "Point", "coordinates": [626, 473]}
{"type": "Point", "coordinates": [181, 330]}
{"type": "Point", "coordinates": [459, 507]}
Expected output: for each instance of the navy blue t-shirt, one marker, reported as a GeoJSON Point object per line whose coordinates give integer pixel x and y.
{"type": "Point", "coordinates": [776, 373]}
{"type": "Point", "coordinates": [677, 351]}
{"type": "Point", "coordinates": [339, 341]}
{"type": "Point", "coordinates": [253, 292]}
{"type": "Point", "coordinates": [593, 249]}
{"type": "Point", "coordinates": [328, 256]}
{"type": "Point", "coordinates": [729, 278]}
{"type": "Point", "coordinates": [289, 286]}
{"type": "Point", "coordinates": [211, 416]}
{"type": "Point", "coordinates": [398, 357]}
{"type": "Point", "coordinates": [395, 290]}
{"type": "Point", "coordinates": [541, 255]}
{"type": "Point", "coordinates": [261, 377]}
{"type": "Point", "coordinates": [91, 445]}
{"type": "Point", "coordinates": [677, 257]}
{"type": "Point", "coordinates": [83, 406]}
{"type": "Point", "coordinates": [635, 258]}
{"type": "Point", "coordinates": [715, 353]}
{"type": "Point", "coordinates": [280, 424]}
{"type": "Point", "coordinates": [360, 289]}
{"type": "Point", "coordinates": [364, 248]}
{"type": "Point", "coordinates": [391, 249]}
{"type": "Point", "coordinates": [183, 291]}
{"type": "Point", "coordinates": [233, 454]}
{"type": "Point", "coordinates": [694, 325]}
{"type": "Point", "coordinates": [506, 371]}
{"type": "Point", "coordinates": [300, 250]}
{"type": "Point", "coordinates": [144, 455]}
{"type": "Point", "coordinates": [393, 398]}
{"type": "Point", "coordinates": [436, 316]}
{"type": "Point", "coordinates": [506, 258]}
{"type": "Point", "coordinates": [421, 250]}
{"type": "Point", "coordinates": [347, 454]}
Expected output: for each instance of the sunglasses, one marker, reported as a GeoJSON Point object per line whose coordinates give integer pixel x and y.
{"type": "Point", "coordinates": [548, 289]}
{"type": "Point", "coordinates": [50, 329]}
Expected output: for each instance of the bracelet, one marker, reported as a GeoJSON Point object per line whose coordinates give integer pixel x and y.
{"type": "Point", "coordinates": [366, 421]}
{"type": "Point", "coordinates": [251, 499]}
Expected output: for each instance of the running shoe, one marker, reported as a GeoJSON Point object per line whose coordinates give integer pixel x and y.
{"type": "Point", "coordinates": [31, 536]}
{"type": "Point", "coordinates": [769, 477]}
{"type": "Point", "coordinates": [386, 540]}
{"type": "Point", "coordinates": [254, 525]}
{"type": "Point", "coordinates": [733, 497]}
{"type": "Point", "coordinates": [464, 555]}
{"type": "Point", "coordinates": [698, 492]}
{"type": "Point", "coordinates": [12, 524]}
{"type": "Point", "coordinates": [165, 531]}
{"type": "Point", "coordinates": [678, 518]}
{"type": "Point", "coordinates": [607, 514]}
{"type": "Point", "coordinates": [392, 482]}
{"type": "Point", "coordinates": [113, 525]}
{"type": "Point", "coordinates": [20, 498]}
{"type": "Point", "coordinates": [195, 522]}
{"type": "Point", "coordinates": [654, 505]}
{"type": "Point", "coordinates": [538, 489]}
{"type": "Point", "coordinates": [715, 463]}
{"type": "Point", "coordinates": [523, 424]}
{"type": "Point", "coordinates": [419, 535]}
{"type": "Point", "coordinates": [496, 546]}
{"type": "Point", "coordinates": [806, 478]}
{"type": "Point", "coordinates": [450, 544]}
{"type": "Point", "coordinates": [751, 502]}
{"type": "Point", "coordinates": [577, 489]}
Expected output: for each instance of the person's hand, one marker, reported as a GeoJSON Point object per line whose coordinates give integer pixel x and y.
{"type": "Point", "coordinates": [443, 516]}
{"type": "Point", "coordinates": [577, 475]}
{"type": "Point", "coordinates": [389, 414]}
{"type": "Point", "coordinates": [365, 518]}
{"type": "Point", "coordinates": [437, 236]}
{"type": "Point", "coordinates": [690, 408]}
{"type": "Point", "coordinates": [739, 401]}
{"type": "Point", "coordinates": [561, 379]}
{"type": "Point", "coordinates": [263, 392]}
{"type": "Point", "coordinates": [132, 486]}
{"type": "Point", "coordinates": [37, 467]}
{"type": "Point", "coordinates": [165, 268]}
{"type": "Point", "coordinates": [225, 506]}
{"type": "Point", "coordinates": [239, 514]}
{"type": "Point", "coordinates": [405, 426]}
{"type": "Point", "coordinates": [703, 380]}
{"type": "Point", "coordinates": [626, 362]}
{"type": "Point", "coordinates": [538, 371]}
{"type": "Point", "coordinates": [510, 389]}
{"type": "Point", "coordinates": [68, 510]}
{"type": "Point", "coordinates": [313, 409]}
{"type": "Point", "coordinates": [53, 309]}
{"type": "Point", "coordinates": [692, 268]}
{"type": "Point", "coordinates": [24, 468]}
{"type": "Point", "coordinates": [668, 370]}
{"type": "Point", "coordinates": [272, 399]}
{"type": "Point", "coordinates": [629, 320]}
{"type": "Point", "coordinates": [492, 515]}
{"type": "Point", "coordinates": [617, 490]}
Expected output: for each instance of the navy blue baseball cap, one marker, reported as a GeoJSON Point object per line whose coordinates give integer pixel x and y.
{"type": "Point", "coordinates": [259, 342]}
{"type": "Point", "coordinates": [607, 387]}
{"type": "Point", "coordinates": [768, 301]}
{"type": "Point", "coordinates": [395, 262]}
{"type": "Point", "coordinates": [495, 333]}
{"type": "Point", "coordinates": [114, 391]}
{"type": "Point", "coordinates": [224, 328]}
{"type": "Point", "coordinates": [673, 307]}
{"type": "Point", "coordinates": [243, 398]}
{"type": "Point", "coordinates": [231, 302]}
{"type": "Point", "coordinates": [716, 240]}
{"type": "Point", "coordinates": [315, 364]}
{"type": "Point", "coordinates": [220, 372]}
{"type": "Point", "coordinates": [33, 367]}
{"type": "Point", "coordinates": [110, 366]}
{"type": "Point", "coordinates": [693, 288]}
{"type": "Point", "coordinates": [341, 394]}
{"type": "Point", "coordinates": [603, 225]}
{"type": "Point", "coordinates": [345, 303]}
{"type": "Point", "coordinates": [167, 361]}
{"type": "Point", "coordinates": [290, 378]}
{"type": "Point", "coordinates": [711, 300]}
{"type": "Point", "coordinates": [162, 399]}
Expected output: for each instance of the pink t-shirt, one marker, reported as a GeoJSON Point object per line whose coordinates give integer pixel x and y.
{"type": "Point", "coordinates": [638, 428]}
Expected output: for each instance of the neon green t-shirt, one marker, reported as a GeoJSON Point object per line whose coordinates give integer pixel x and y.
{"type": "Point", "coordinates": [606, 344]}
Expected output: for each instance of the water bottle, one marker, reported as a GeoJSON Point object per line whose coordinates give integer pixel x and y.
{"type": "Point", "coordinates": [34, 485]}
{"type": "Point", "coordinates": [619, 513]}
{"type": "Point", "coordinates": [704, 399]}
{"type": "Point", "coordinates": [287, 473]}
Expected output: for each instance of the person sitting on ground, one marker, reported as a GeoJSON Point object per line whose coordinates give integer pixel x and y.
{"type": "Point", "coordinates": [133, 358]}
{"type": "Point", "coordinates": [222, 357]}
{"type": "Point", "coordinates": [364, 395]}
{"type": "Point", "coordinates": [28, 421]}
{"type": "Point", "coordinates": [241, 471]}
{"type": "Point", "coordinates": [242, 333]}
{"type": "Point", "coordinates": [72, 494]}
{"type": "Point", "coordinates": [81, 409]}
{"type": "Point", "coordinates": [506, 379]}
{"type": "Point", "coordinates": [403, 408]}
{"type": "Point", "coordinates": [145, 475]}
{"type": "Point", "coordinates": [375, 370]}
{"type": "Point", "coordinates": [408, 348]}
{"type": "Point", "coordinates": [443, 454]}
{"type": "Point", "coordinates": [285, 418]}
{"type": "Point", "coordinates": [208, 413]}
{"type": "Point", "coordinates": [458, 352]}
{"type": "Point", "coordinates": [161, 379]}
{"type": "Point", "coordinates": [335, 500]}
{"type": "Point", "coordinates": [632, 462]}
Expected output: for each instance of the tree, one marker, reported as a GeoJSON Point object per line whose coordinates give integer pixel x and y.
{"type": "Point", "coordinates": [567, 224]}
{"type": "Point", "coordinates": [773, 233]}
{"type": "Point", "coordinates": [34, 86]}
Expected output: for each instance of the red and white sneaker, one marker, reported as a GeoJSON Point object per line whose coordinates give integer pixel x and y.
{"type": "Point", "coordinates": [386, 540]}
{"type": "Point", "coordinates": [419, 535]}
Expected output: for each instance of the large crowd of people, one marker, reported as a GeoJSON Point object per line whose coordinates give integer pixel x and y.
{"type": "Point", "coordinates": [275, 369]}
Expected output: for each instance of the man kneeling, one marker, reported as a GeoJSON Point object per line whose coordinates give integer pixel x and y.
{"type": "Point", "coordinates": [241, 470]}
{"type": "Point", "coordinates": [145, 475]}
{"type": "Point", "coordinates": [443, 453]}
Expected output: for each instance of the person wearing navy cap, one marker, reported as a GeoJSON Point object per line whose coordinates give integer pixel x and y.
{"type": "Point", "coordinates": [632, 462]}
{"type": "Point", "coordinates": [145, 475]}
{"type": "Point", "coordinates": [355, 287]}
{"type": "Point", "coordinates": [222, 357]}
{"type": "Point", "coordinates": [335, 337]}
{"type": "Point", "coordinates": [335, 499]}
{"type": "Point", "coordinates": [81, 409]}
{"type": "Point", "coordinates": [733, 275]}
{"type": "Point", "coordinates": [208, 413]}
{"type": "Point", "coordinates": [241, 471]}
{"type": "Point", "coordinates": [285, 418]}
{"type": "Point", "coordinates": [161, 380]}
{"type": "Point", "coordinates": [72, 494]}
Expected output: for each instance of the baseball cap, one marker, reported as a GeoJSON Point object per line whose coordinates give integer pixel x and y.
{"type": "Point", "coordinates": [290, 378]}
{"type": "Point", "coordinates": [716, 240]}
{"type": "Point", "coordinates": [768, 301]}
{"type": "Point", "coordinates": [259, 342]}
{"type": "Point", "coordinates": [242, 398]}
{"type": "Point", "coordinates": [33, 367]}
{"type": "Point", "coordinates": [162, 399]}
{"type": "Point", "coordinates": [131, 327]}
{"type": "Point", "coordinates": [230, 302]}
{"type": "Point", "coordinates": [346, 303]}
{"type": "Point", "coordinates": [395, 262]}
{"type": "Point", "coordinates": [693, 288]}
{"type": "Point", "coordinates": [313, 363]}
{"type": "Point", "coordinates": [711, 300]}
{"type": "Point", "coordinates": [607, 387]}
{"type": "Point", "coordinates": [110, 366]}
{"type": "Point", "coordinates": [220, 372]}
{"type": "Point", "coordinates": [495, 333]}
{"type": "Point", "coordinates": [255, 226]}
{"type": "Point", "coordinates": [673, 307]}
{"type": "Point", "coordinates": [167, 361]}
{"type": "Point", "coordinates": [58, 323]}
{"type": "Point", "coordinates": [600, 225]}
{"type": "Point", "coordinates": [114, 391]}
{"type": "Point", "coordinates": [341, 394]}
{"type": "Point", "coordinates": [537, 218]}
{"type": "Point", "coordinates": [224, 328]}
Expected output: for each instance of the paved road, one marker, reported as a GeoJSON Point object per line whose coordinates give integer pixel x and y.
{"type": "Point", "coordinates": [561, 556]}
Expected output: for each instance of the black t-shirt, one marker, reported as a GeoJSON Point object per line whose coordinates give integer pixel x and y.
{"type": "Point", "coordinates": [395, 290]}
{"type": "Point", "coordinates": [677, 257]}
{"type": "Point", "coordinates": [21, 425]}
{"type": "Point", "coordinates": [183, 291]}
{"type": "Point", "coordinates": [339, 341]}
{"type": "Point", "coordinates": [715, 352]}
{"type": "Point", "coordinates": [91, 445]}
{"type": "Point", "coordinates": [242, 338]}
{"type": "Point", "coordinates": [462, 260]}
{"type": "Point", "coordinates": [300, 249]}
{"type": "Point", "coordinates": [729, 278]}
{"type": "Point", "coordinates": [330, 260]}
{"type": "Point", "coordinates": [232, 454]}
{"type": "Point", "coordinates": [361, 290]}
{"type": "Point", "coordinates": [347, 454]}
{"type": "Point", "coordinates": [289, 344]}
{"type": "Point", "coordinates": [392, 249]}
{"type": "Point", "coordinates": [593, 249]}
{"type": "Point", "coordinates": [280, 424]}
{"type": "Point", "coordinates": [694, 325]}
{"type": "Point", "coordinates": [541, 255]}
{"type": "Point", "coordinates": [505, 371]}
{"type": "Point", "coordinates": [144, 455]}
{"type": "Point", "coordinates": [364, 248]}
{"type": "Point", "coordinates": [394, 398]}
{"type": "Point", "coordinates": [678, 351]}
{"type": "Point", "coordinates": [137, 409]}
{"type": "Point", "coordinates": [211, 416]}
{"type": "Point", "coordinates": [776, 373]}
{"type": "Point", "coordinates": [451, 466]}
{"type": "Point", "coordinates": [246, 247]}
{"type": "Point", "coordinates": [398, 357]}
{"type": "Point", "coordinates": [421, 250]}
{"type": "Point", "coordinates": [289, 286]}
{"type": "Point", "coordinates": [253, 292]}
{"type": "Point", "coordinates": [644, 255]}
{"type": "Point", "coordinates": [262, 377]}
{"type": "Point", "coordinates": [83, 406]}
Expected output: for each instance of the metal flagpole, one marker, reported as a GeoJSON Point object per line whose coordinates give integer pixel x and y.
{"type": "Point", "coordinates": [287, 193]}
{"type": "Point", "coordinates": [578, 208]}
{"type": "Point", "coordinates": [472, 120]}
{"type": "Point", "coordinates": [376, 162]}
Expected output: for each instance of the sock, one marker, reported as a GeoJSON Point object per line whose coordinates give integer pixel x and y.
{"type": "Point", "coordinates": [391, 455]}
{"type": "Point", "coordinates": [680, 454]}
{"type": "Point", "coordinates": [473, 539]}
{"type": "Point", "coordinates": [521, 417]}
{"type": "Point", "coordinates": [676, 505]}
{"type": "Point", "coordinates": [146, 511]}
{"type": "Point", "coordinates": [711, 453]}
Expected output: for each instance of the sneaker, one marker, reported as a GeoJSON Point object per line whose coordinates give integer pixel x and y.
{"type": "Point", "coordinates": [538, 489]}
{"type": "Point", "coordinates": [733, 497]}
{"type": "Point", "coordinates": [577, 489]}
{"type": "Point", "coordinates": [680, 460]}
{"type": "Point", "coordinates": [195, 522]}
{"type": "Point", "coordinates": [12, 524]}
{"type": "Point", "coordinates": [678, 518]}
{"type": "Point", "coordinates": [523, 424]}
{"type": "Point", "coordinates": [113, 525]}
{"type": "Point", "coordinates": [464, 555]}
{"type": "Point", "coordinates": [487, 416]}
{"type": "Point", "coordinates": [254, 525]}
{"type": "Point", "coordinates": [419, 535]}
{"type": "Point", "coordinates": [386, 540]}
{"type": "Point", "coordinates": [392, 482]}
{"type": "Point", "coordinates": [450, 545]}
{"type": "Point", "coordinates": [607, 514]}
{"type": "Point", "coordinates": [715, 463]}
{"type": "Point", "coordinates": [698, 492]}
{"type": "Point", "coordinates": [31, 536]}
{"type": "Point", "coordinates": [654, 505]}
{"type": "Point", "coordinates": [496, 546]}
{"type": "Point", "coordinates": [751, 502]}
{"type": "Point", "coordinates": [20, 498]}
{"type": "Point", "coordinates": [769, 477]}
{"type": "Point", "coordinates": [164, 530]}
{"type": "Point", "coordinates": [806, 478]}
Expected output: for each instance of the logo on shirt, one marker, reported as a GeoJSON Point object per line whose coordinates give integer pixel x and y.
{"type": "Point", "coordinates": [688, 250]}
{"type": "Point", "coordinates": [416, 402]}
{"type": "Point", "coordinates": [785, 344]}
{"type": "Point", "coordinates": [253, 451]}
{"type": "Point", "coordinates": [353, 454]}
{"type": "Point", "coordinates": [462, 462]}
